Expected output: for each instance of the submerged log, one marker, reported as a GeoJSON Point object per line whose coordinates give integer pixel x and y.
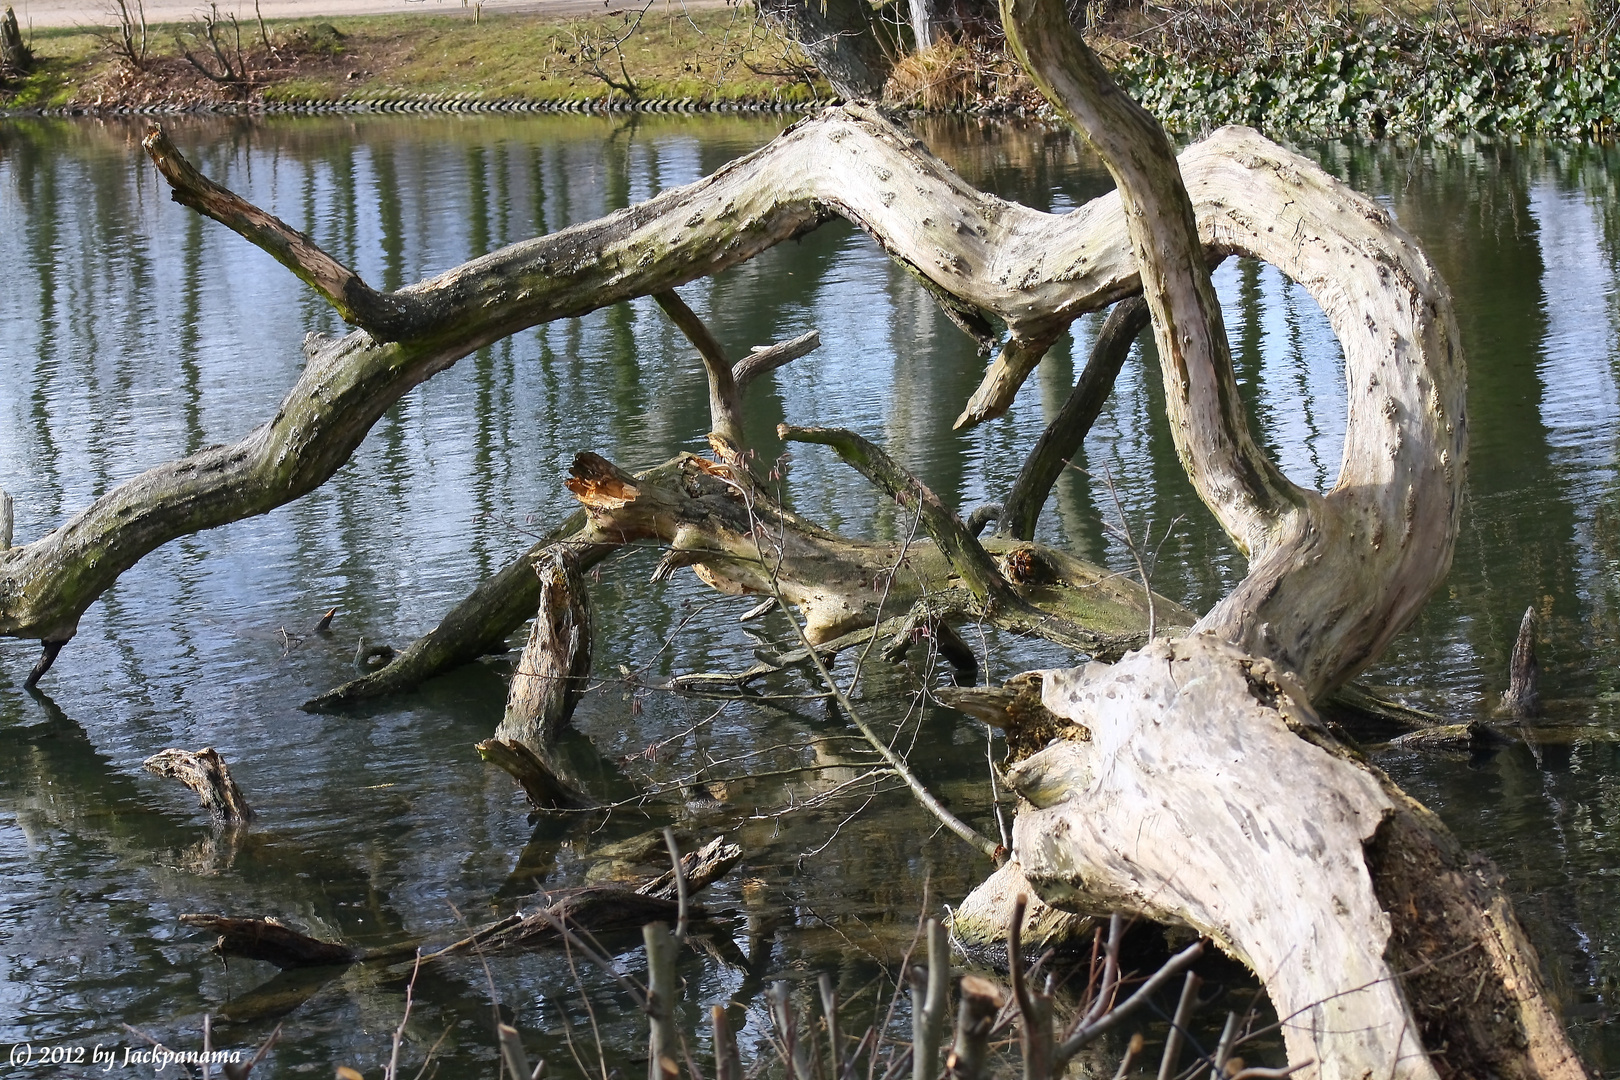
{"type": "Point", "coordinates": [272, 941]}
{"type": "Point", "coordinates": [556, 662]}
{"type": "Point", "coordinates": [206, 773]}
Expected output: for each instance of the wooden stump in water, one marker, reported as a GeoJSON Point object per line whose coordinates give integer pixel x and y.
{"type": "Point", "coordinates": [1522, 699]}
{"type": "Point", "coordinates": [540, 782]}
{"type": "Point", "coordinates": [206, 773]}
{"type": "Point", "coordinates": [556, 662]}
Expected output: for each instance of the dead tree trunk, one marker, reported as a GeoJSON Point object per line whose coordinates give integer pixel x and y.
{"type": "Point", "coordinates": [1332, 577]}
{"type": "Point", "coordinates": [1384, 951]}
{"type": "Point", "coordinates": [16, 58]}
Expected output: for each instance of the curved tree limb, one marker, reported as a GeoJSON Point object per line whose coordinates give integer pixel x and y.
{"type": "Point", "coordinates": [1029, 269]}
{"type": "Point", "coordinates": [383, 316]}
{"type": "Point", "coordinates": [1062, 438]}
{"type": "Point", "coordinates": [1240, 484]}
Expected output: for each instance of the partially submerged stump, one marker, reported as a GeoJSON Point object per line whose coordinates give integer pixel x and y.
{"type": "Point", "coordinates": [545, 787]}
{"type": "Point", "coordinates": [552, 672]}
{"type": "Point", "coordinates": [205, 772]}
{"type": "Point", "coordinates": [1522, 699]}
{"type": "Point", "coordinates": [270, 940]}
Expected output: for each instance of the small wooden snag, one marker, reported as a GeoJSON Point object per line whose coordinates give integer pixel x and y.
{"type": "Point", "coordinates": [206, 773]}
{"type": "Point", "coordinates": [545, 789]}
{"type": "Point", "coordinates": [271, 941]}
{"type": "Point", "coordinates": [556, 662]}
{"type": "Point", "coordinates": [1522, 699]}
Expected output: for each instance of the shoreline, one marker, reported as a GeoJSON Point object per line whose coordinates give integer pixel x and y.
{"type": "Point", "coordinates": [75, 14]}
{"type": "Point", "coordinates": [1371, 77]}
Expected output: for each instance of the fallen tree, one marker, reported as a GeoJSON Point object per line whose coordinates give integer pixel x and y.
{"type": "Point", "coordinates": [1386, 952]}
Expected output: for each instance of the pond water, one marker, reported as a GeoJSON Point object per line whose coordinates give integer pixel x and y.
{"type": "Point", "coordinates": [132, 331]}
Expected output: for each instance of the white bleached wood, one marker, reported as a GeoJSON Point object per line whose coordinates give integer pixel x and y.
{"type": "Point", "coordinates": [1162, 812]}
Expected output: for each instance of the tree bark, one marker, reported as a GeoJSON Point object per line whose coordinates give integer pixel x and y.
{"type": "Point", "coordinates": [1385, 952]}
{"type": "Point", "coordinates": [839, 38]}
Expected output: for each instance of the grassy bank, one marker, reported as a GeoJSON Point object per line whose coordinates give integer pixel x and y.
{"type": "Point", "coordinates": [707, 55]}
{"type": "Point", "coordinates": [1195, 65]}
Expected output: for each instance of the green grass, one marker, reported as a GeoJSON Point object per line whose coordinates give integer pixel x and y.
{"type": "Point", "coordinates": [721, 54]}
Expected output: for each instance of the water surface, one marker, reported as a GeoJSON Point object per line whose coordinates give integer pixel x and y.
{"type": "Point", "coordinates": [132, 331]}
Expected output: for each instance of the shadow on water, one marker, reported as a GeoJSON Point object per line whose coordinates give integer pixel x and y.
{"type": "Point", "coordinates": [137, 333]}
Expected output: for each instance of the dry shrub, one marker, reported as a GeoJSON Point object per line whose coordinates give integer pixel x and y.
{"type": "Point", "coordinates": [953, 75]}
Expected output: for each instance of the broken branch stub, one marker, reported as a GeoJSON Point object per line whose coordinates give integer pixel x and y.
{"type": "Point", "coordinates": [1522, 699]}
{"type": "Point", "coordinates": [556, 662]}
{"type": "Point", "coordinates": [205, 772]}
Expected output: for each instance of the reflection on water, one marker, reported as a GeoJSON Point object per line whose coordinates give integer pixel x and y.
{"type": "Point", "coordinates": [134, 332]}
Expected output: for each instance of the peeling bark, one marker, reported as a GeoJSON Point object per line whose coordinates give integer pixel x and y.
{"type": "Point", "coordinates": [556, 662]}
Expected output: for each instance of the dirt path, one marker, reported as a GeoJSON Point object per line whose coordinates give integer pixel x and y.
{"type": "Point", "coordinates": [46, 13]}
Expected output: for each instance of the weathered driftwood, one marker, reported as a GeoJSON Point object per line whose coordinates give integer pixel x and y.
{"type": "Point", "coordinates": [544, 786]}
{"type": "Point", "coordinates": [1522, 699]}
{"type": "Point", "coordinates": [205, 772]}
{"type": "Point", "coordinates": [6, 510]}
{"type": "Point", "coordinates": [1383, 949]}
{"type": "Point", "coordinates": [270, 940]}
{"type": "Point", "coordinates": [979, 923]}
{"type": "Point", "coordinates": [556, 663]}
{"type": "Point", "coordinates": [700, 869]}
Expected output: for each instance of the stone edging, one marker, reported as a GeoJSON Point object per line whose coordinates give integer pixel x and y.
{"type": "Point", "coordinates": [428, 103]}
